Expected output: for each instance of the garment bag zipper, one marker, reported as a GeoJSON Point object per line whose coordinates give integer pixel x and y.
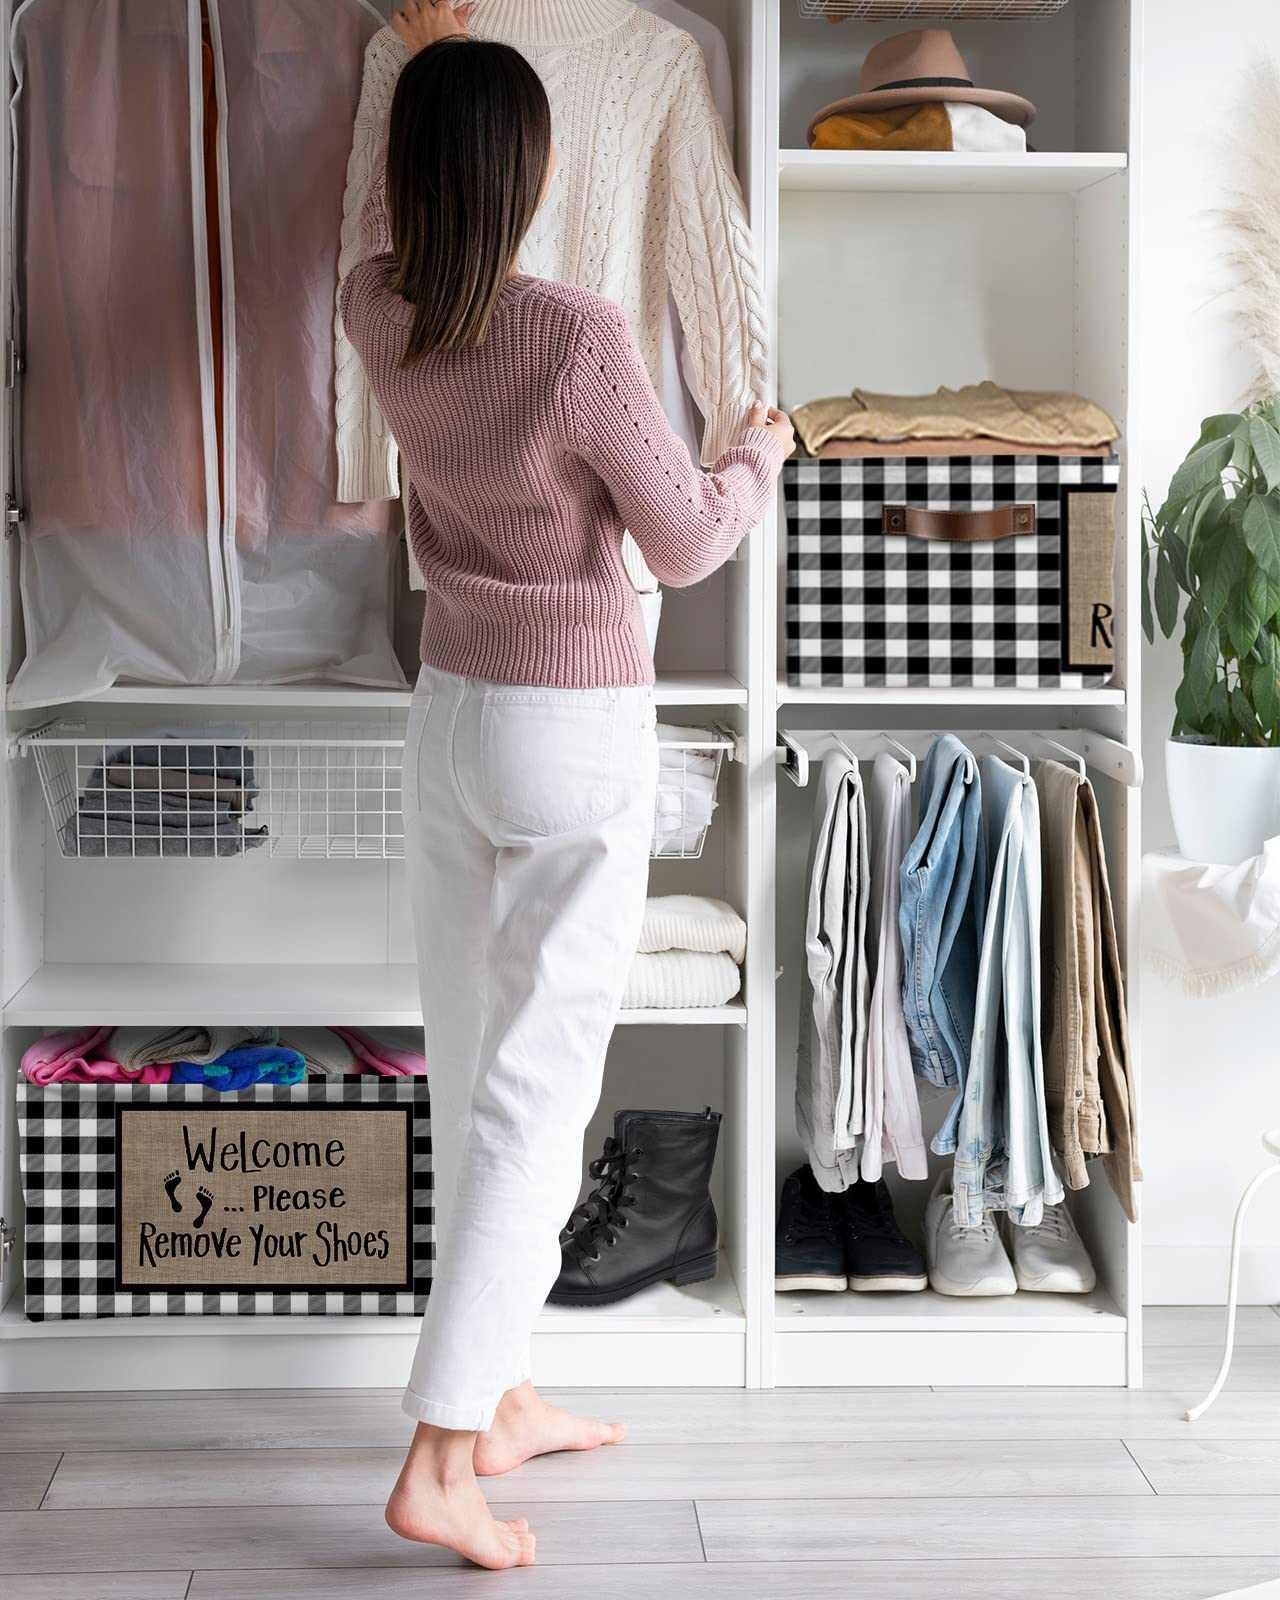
{"type": "Point", "coordinates": [222, 584]}
{"type": "Point", "coordinates": [230, 568]}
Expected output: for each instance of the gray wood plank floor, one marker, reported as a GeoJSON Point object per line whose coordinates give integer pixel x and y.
{"type": "Point", "coordinates": [800, 1495]}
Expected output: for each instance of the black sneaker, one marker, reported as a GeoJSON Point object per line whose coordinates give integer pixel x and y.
{"type": "Point", "coordinates": [878, 1256]}
{"type": "Point", "coordinates": [808, 1253]}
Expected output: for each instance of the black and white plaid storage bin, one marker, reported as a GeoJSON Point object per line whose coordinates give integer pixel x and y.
{"type": "Point", "coordinates": [68, 1144]}
{"type": "Point", "coordinates": [950, 571]}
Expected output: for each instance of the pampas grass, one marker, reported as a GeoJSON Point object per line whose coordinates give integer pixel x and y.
{"type": "Point", "coordinates": [1252, 219]}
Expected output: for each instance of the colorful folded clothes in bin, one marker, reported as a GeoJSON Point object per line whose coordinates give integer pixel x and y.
{"type": "Point", "coordinates": [224, 1059]}
{"type": "Point", "coordinates": [242, 1068]}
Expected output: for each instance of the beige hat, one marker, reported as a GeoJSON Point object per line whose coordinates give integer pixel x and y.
{"type": "Point", "coordinates": [917, 68]}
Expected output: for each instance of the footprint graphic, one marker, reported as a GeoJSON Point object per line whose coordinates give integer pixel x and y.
{"type": "Point", "coordinates": [171, 1189]}
{"type": "Point", "coordinates": [206, 1200]}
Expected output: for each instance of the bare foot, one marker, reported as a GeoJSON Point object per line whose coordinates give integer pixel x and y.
{"type": "Point", "coordinates": [525, 1425]}
{"type": "Point", "coordinates": [432, 1503]}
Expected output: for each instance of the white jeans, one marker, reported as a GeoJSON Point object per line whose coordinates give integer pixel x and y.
{"type": "Point", "coordinates": [528, 817]}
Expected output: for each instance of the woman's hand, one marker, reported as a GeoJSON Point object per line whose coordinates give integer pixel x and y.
{"type": "Point", "coordinates": [770, 420]}
{"type": "Point", "coordinates": [423, 22]}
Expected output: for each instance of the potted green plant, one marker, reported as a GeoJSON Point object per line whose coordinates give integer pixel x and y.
{"type": "Point", "coordinates": [1211, 557]}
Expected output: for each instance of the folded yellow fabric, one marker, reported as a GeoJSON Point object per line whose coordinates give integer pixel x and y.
{"type": "Point", "coordinates": [863, 449]}
{"type": "Point", "coordinates": [904, 128]}
{"type": "Point", "coordinates": [979, 410]}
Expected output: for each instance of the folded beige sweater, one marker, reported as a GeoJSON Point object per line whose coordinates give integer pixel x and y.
{"type": "Point", "coordinates": [978, 410]}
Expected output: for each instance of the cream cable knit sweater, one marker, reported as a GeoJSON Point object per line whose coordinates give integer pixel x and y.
{"type": "Point", "coordinates": [644, 198]}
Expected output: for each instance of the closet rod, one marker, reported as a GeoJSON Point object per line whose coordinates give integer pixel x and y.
{"type": "Point", "coordinates": [1106, 757]}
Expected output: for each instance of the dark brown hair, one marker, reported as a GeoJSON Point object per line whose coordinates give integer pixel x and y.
{"type": "Point", "coordinates": [467, 153]}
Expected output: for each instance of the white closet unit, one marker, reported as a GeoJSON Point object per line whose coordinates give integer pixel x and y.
{"type": "Point", "coordinates": [892, 274]}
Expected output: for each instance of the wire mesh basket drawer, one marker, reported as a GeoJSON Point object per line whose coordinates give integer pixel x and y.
{"type": "Point", "coordinates": [289, 791]}
{"type": "Point", "coordinates": [162, 1200]}
{"type": "Point", "coordinates": [280, 789]}
{"type": "Point", "coordinates": [689, 761]}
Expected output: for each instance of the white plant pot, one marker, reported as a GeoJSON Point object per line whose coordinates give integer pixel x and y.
{"type": "Point", "coordinates": [1225, 800]}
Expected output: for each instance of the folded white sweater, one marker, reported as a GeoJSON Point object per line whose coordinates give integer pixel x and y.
{"type": "Point", "coordinates": [692, 922]}
{"type": "Point", "coordinates": [681, 980]}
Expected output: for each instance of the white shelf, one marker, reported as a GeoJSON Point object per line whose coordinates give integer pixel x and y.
{"type": "Point", "coordinates": [92, 994]}
{"type": "Point", "coordinates": [671, 689]}
{"type": "Point", "coordinates": [947, 171]}
{"type": "Point", "coordinates": [929, 1312]}
{"type": "Point", "coordinates": [704, 1308]}
{"type": "Point", "coordinates": [1027, 698]}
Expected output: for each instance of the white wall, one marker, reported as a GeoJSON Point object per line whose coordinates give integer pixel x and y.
{"type": "Point", "coordinates": [1211, 1068]}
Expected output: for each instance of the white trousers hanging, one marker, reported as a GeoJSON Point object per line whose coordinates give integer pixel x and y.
{"type": "Point", "coordinates": [528, 817]}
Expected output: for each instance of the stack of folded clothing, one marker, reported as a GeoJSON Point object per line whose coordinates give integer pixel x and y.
{"type": "Point", "coordinates": [980, 419]}
{"type": "Point", "coordinates": [690, 953]}
{"type": "Point", "coordinates": [225, 1059]}
{"type": "Point", "coordinates": [170, 799]}
{"type": "Point", "coordinates": [686, 790]}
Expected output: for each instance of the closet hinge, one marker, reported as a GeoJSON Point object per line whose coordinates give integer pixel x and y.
{"type": "Point", "coordinates": [15, 366]}
{"type": "Point", "coordinates": [12, 515]}
{"type": "Point", "coordinates": [6, 1245]}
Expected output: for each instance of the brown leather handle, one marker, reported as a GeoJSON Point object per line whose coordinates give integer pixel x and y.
{"type": "Point", "coordinates": [959, 527]}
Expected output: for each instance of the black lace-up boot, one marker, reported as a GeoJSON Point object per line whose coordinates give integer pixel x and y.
{"type": "Point", "coordinates": [650, 1218]}
{"type": "Point", "coordinates": [877, 1254]}
{"type": "Point", "coordinates": [808, 1250]}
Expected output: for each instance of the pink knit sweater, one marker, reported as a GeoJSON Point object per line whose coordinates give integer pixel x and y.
{"type": "Point", "coordinates": [528, 455]}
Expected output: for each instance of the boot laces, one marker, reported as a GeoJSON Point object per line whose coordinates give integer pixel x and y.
{"type": "Point", "coordinates": [811, 1219]}
{"type": "Point", "coordinates": [877, 1221]}
{"type": "Point", "coordinates": [1053, 1221]}
{"type": "Point", "coordinates": [601, 1215]}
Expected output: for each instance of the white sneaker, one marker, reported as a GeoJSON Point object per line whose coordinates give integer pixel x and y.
{"type": "Point", "coordinates": [963, 1261]}
{"type": "Point", "coordinates": [1051, 1258]}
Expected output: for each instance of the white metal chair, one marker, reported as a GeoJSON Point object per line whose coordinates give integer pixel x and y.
{"type": "Point", "coordinates": [1271, 1144]}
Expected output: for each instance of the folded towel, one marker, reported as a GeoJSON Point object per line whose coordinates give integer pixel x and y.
{"type": "Point", "coordinates": [677, 781]}
{"type": "Point", "coordinates": [137, 1047]}
{"type": "Point", "coordinates": [234, 761]}
{"type": "Point", "coordinates": [171, 782]}
{"type": "Point", "coordinates": [325, 1053]}
{"type": "Point", "coordinates": [124, 836]}
{"type": "Point", "coordinates": [169, 810]}
{"type": "Point", "coordinates": [80, 1056]}
{"type": "Point", "coordinates": [674, 809]}
{"type": "Point", "coordinates": [674, 759]}
{"type": "Point", "coordinates": [680, 980]}
{"type": "Point", "coordinates": [391, 1053]}
{"type": "Point", "coordinates": [242, 1068]}
{"type": "Point", "coordinates": [692, 922]}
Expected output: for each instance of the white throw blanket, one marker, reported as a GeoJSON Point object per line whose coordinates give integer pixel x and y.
{"type": "Point", "coordinates": [1213, 928]}
{"type": "Point", "coordinates": [681, 980]}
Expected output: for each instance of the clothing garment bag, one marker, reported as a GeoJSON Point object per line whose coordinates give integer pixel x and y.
{"type": "Point", "coordinates": [165, 540]}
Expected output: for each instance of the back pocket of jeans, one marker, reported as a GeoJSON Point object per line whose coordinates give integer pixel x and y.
{"type": "Point", "coordinates": [546, 758]}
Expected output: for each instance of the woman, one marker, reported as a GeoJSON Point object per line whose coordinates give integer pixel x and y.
{"type": "Point", "coordinates": [532, 438]}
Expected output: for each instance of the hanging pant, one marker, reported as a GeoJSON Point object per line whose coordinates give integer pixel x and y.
{"type": "Point", "coordinates": [528, 818]}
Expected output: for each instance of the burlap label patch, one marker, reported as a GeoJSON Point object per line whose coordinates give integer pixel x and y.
{"type": "Point", "coordinates": [306, 1197]}
{"type": "Point", "coordinates": [1088, 593]}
